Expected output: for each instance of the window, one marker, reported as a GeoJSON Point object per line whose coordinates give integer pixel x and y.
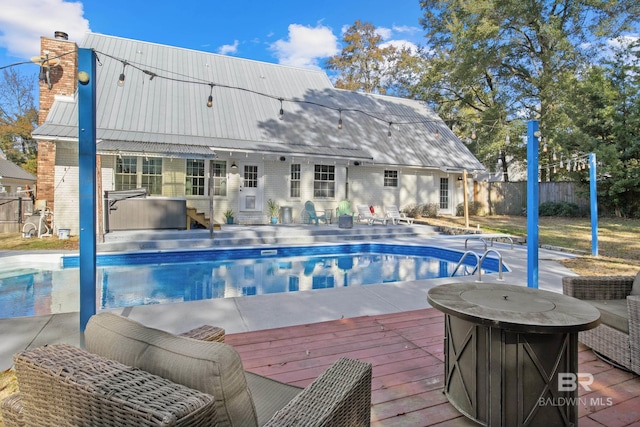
{"type": "Point", "coordinates": [152, 175]}
{"type": "Point", "coordinates": [219, 177]}
{"type": "Point", "coordinates": [390, 178]}
{"type": "Point", "coordinates": [195, 178]}
{"type": "Point", "coordinates": [324, 181]}
{"type": "Point", "coordinates": [126, 173]}
{"type": "Point", "coordinates": [251, 176]}
{"type": "Point", "coordinates": [444, 193]}
{"type": "Point", "coordinates": [294, 190]}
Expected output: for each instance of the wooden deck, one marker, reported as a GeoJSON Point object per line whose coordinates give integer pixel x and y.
{"type": "Point", "coordinates": [406, 350]}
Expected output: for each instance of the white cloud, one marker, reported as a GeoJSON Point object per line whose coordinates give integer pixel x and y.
{"type": "Point", "coordinates": [405, 29]}
{"type": "Point", "coordinates": [23, 22]}
{"type": "Point", "coordinates": [306, 46]}
{"type": "Point", "coordinates": [229, 49]}
{"type": "Point", "coordinates": [383, 32]}
{"type": "Point", "coordinates": [402, 44]}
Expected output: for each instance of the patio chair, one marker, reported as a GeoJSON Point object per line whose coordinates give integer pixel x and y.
{"type": "Point", "coordinates": [344, 208]}
{"type": "Point", "coordinates": [364, 214]}
{"type": "Point", "coordinates": [339, 396]}
{"type": "Point", "coordinates": [392, 213]}
{"type": "Point", "coordinates": [313, 215]}
{"type": "Point", "coordinates": [617, 338]}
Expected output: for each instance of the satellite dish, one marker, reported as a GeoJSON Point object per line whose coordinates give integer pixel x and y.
{"type": "Point", "coordinates": [45, 61]}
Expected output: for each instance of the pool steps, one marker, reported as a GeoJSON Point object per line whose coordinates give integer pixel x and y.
{"type": "Point", "coordinates": [255, 235]}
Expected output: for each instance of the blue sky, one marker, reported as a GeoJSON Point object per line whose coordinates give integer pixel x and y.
{"type": "Point", "coordinates": [291, 32]}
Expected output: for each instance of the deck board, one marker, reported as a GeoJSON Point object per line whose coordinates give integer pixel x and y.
{"type": "Point", "coordinates": [407, 355]}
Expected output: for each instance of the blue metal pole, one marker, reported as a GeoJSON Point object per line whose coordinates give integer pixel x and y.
{"type": "Point", "coordinates": [87, 172]}
{"type": "Point", "coordinates": [594, 204]}
{"type": "Point", "coordinates": [532, 204]}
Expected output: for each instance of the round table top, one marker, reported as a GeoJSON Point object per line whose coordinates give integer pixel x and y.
{"type": "Point", "coordinates": [515, 308]}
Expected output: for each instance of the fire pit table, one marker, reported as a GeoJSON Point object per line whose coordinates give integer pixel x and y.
{"type": "Point", "coordinates": [511, 352]}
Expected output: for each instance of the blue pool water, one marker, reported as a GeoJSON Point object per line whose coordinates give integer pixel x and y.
{"type": "Point", "coordinates": [158, 278]}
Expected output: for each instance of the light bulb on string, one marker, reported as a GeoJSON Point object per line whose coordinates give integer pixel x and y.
{"type": "Point", "coordinates": [340, 119]}
{"type": "Point", "coordinates": [389, 132]}
{"type": "Point", "coordinates": [281, 112]}
{"type": "Point", "coordinates": [122, 76]}
{"type": "Point", "coordinates": [473, 133]}
{"type": "Point", "coordinates": [210, 99]}
{"type": "Point", "coordinates": [554, 156]}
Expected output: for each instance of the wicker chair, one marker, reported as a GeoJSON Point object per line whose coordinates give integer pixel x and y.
{"type": "Point", "coordinates": [341, 396]}
{"type": "Point", "coordinates": [613, 339]}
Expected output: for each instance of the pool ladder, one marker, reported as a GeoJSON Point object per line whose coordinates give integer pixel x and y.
{"type": "Point", "coordinates": [479, 260]}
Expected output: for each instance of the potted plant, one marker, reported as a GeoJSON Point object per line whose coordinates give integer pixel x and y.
{"type": "Point", "coordinates": [274, 210]}
{"type": "Point", "coordinates": [229, 216]}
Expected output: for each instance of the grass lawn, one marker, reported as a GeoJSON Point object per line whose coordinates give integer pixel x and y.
{"type": "Point", "coordinates": [618, 239]}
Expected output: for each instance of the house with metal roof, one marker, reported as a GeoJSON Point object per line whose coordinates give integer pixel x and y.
{"type": "Point", "coordinates": [13, 178]}
{"type": "Point", "coordinates": [232, 133]}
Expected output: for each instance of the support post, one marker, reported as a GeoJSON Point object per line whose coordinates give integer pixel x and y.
{"type": "Point", "coordinates": [466, 198]}
{"type": "Point", "coordinates": [211, 199]}
{"type": "Point", "coordinates": [593, 203]}
{"type": "Point", "coordinates": [87, 185]}
{"type": "Point", "coordinates": [532, 204]}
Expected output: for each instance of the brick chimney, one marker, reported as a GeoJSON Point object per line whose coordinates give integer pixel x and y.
{"type": "Point", "coordinates": [62, 81]}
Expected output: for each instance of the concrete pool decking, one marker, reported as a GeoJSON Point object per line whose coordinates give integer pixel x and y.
{"type": "Point", "coordinates": [244, 314]}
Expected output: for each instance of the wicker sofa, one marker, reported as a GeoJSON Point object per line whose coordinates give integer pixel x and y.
{"type": "Point", "coordinates": [341, 396]}
{"type": "Point", "coordinates": [618, 300]}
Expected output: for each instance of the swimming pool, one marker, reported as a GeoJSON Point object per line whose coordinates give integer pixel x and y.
{"type": "Point", "coordinates": [143, 278]}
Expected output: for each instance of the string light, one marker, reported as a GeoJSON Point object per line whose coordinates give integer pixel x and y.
{"type": "Point", "coordinates": [190, 80]}
{"type": "Point", "coordinates": [210, 99]}
{"type": "Point", "coordinates": [151, 74]}
{"type": "Point", "coordinates": [473, 133]}
{"type": "Point", "coordinates": [121, 78]}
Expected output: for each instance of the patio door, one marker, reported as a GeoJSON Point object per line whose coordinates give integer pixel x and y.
{"type": "Point", "coordinates": [251, 187]}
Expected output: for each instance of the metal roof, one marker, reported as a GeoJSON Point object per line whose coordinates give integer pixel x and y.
{"type": "Point", "coordinates": [170, 110]}
{"type": "Point", "coordinates": [11, 170]}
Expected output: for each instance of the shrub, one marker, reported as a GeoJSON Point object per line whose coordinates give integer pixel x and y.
{"type": "Point", "coordinates": [475, 208]}
{"type": "Point", "coordinates": [559, 209]}
{"type": "Point", "coordinates": [411, 211]}
{"type": "Point", "coordinates": [430, 210]}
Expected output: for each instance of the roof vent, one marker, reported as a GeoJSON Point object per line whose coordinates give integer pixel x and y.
{"type": "Point", "coordinates": [61, 35]}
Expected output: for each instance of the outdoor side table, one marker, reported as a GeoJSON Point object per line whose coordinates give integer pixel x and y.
{"type": "Point", "coordinates": [511, 352]}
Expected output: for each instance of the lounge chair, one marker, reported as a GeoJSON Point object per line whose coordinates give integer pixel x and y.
{"type": "Point", "coordinates": [617, 338]}
{"type": "Point", "coordinates": [364, 214]}
{"type": "Point", "coordinates": [312, 215]}
{"type": "Point", "coordinates": [392, 213]}
{"type": "Point", "coordinates": [179, 379]}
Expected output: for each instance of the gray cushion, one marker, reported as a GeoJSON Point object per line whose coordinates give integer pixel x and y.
{"type": "Point", "coordinates": [613, 312]}
{"type": "Point", "coordinates": [635, 290]}
{"type": "Point", "coordinates": [210, 367]}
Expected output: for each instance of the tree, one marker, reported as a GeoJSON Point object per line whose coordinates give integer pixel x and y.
{"type": "Point", "coordinates": [364, 64]}
{"type": "Point", "coordinates": [606, 112]}
{"type": "Point", "coordinates": [18, 118]}
{"type": "Point", "coordinates": [498, 60]}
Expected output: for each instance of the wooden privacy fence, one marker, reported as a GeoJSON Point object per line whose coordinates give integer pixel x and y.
{"type": "Point", "coordinates": [510, 198]}
{"type": "Point", "coordinates": [13, 211]}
